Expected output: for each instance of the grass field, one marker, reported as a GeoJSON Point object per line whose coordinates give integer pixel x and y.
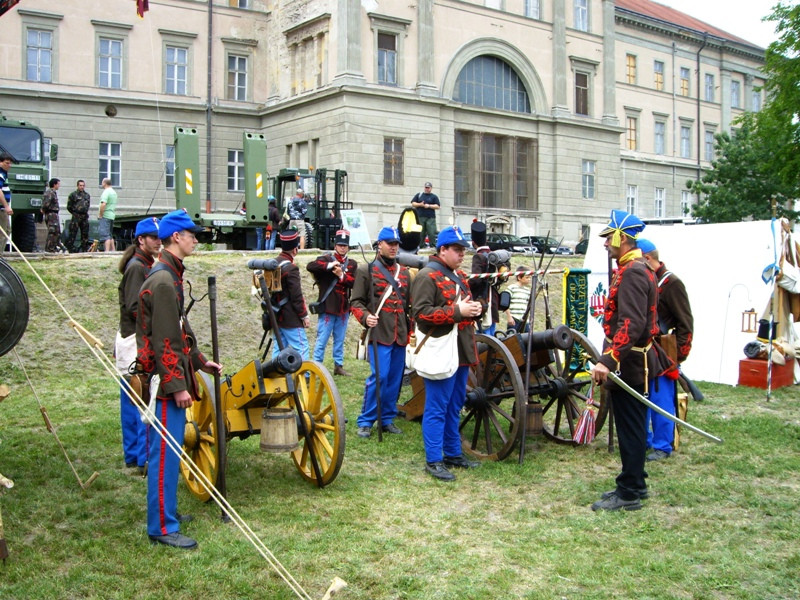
{"type": "Point", "coordinates": [722, 521]}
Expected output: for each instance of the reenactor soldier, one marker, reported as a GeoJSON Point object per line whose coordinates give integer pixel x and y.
{"type": "Point", "coordinates": [293, 318]}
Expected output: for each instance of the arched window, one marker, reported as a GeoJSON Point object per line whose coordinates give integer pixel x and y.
{"type": "Point", "coordinates": [488, 81]}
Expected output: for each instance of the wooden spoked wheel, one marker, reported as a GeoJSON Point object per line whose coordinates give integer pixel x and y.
{"type": "Point", "coordinates": [321, 408]}
{"type": "Point", "coordinates": [201, 440]}
{"type": "Point", "coordinates": [495, 396]}
{"type": "Point", "coordinates": [569, 389]}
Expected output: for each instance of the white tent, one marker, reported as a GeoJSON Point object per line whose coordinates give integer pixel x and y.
{"type": "Point", "coordinates": [721, 266]}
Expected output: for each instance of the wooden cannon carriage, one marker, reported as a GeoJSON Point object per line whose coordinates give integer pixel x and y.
{"type": "Point", "coordinates": [498, 406]}
{"type": "Point", "coordinates": [292, 404]}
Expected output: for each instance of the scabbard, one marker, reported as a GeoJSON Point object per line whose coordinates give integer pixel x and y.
{"type": "Point", "coordinates": [616, 379]}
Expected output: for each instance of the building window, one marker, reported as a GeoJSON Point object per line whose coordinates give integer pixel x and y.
{"type": "Point", "coordinates": [581, 93]}
{"type": "Point", "coordinates": [686, 202]}
{"type": "Point", "coordinates": [39, 52]}
{"type": "Point", "coordinates": [387, 59]}
{"type": "Point", "coordinates": [630, 69]}
{"type": "Point", "coordinates": [735, 95]}
{"type": "Point", "coordinates": [488, 81]}
{"type": "Point", "coordinates": [658, 207]}
{"type": "Point", "coordinates": [659, 134]}
{"type": "Point", "coordinates": [532, 9]}
{"type": "Point", "coordinates": [176, 70]}
{"type": "Point", "coordinates": [110, 64]}
{"type": "Point", "coordinates": [709, 145]}
{"type": "Point", "coordinates": [658, 75]}
{"type": "Point", "coordinates": [505, 176]}
{"type": "Point", "coordinates": [581, 8]}
{"type": "Point", "coordinates": [587, 179]}
{"type": "Point", "coordinates": [240, 3]}
{"type": "Point", "coordinates": [684, 81]}
{"type": "Point", "coordinates": [110, 155]}
{"type": "Point", "coordinates": [686, 141]}
{"type": "Point", "coordinates": [235, 170]}
{"type": "Point", "coordinates": [632, 199]}
{"type": "Point", "coordinates": [237, 77]}
{"type": "Point", "coordinates": [392, 161]}
{"type": "Point", "coordinates": [709, 87]}
{"type": "Point", "coordinates": [756, 100]}
{"type": "Point", "coordinates": [169, 167]}
{"type": "Point", "coordinates": [631, 133]}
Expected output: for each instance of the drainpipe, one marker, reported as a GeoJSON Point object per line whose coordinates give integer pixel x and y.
{"type": "Point", "coordinates": [209, 92]}
{"type": "Point", "coordinates": [699, 50]}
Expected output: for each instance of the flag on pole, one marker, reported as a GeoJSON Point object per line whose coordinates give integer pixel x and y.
{"type": "Point", "coordinates": [142, 6]}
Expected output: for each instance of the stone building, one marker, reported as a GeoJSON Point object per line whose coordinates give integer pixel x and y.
{"type": "Point", "coordinates": [534, 115]}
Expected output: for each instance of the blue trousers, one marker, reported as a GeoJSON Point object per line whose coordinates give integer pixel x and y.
{"type": "Point", "coordinates": [294, 337]}
{"type": "Point", "coordinates": [661, 432]}
{"type": "Point", "coordinates": [391, 365]}
{"type": "Point", "coordinates": [444, 399]}
{"type": "Point", "coordinates": [327, 325]}
{"type": "Point", "coordinates": [134, 432]}
{"type": "Point", "coordinates": [163, 471]}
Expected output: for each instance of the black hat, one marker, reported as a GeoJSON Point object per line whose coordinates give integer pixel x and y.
{"type": "Point", "coordinates": [290, 239]}
{"type": "Point", "coordinates": [342, 237]}
{"type": "Point", "coordinates": [478, 230]}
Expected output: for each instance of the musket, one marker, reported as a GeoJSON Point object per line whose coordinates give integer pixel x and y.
{"type": "Point", "coordinates": [618, 380]}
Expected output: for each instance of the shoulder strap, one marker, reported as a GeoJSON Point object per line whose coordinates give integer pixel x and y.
{"type": "Point", "coordinates": [450, 275]}
{"type": "Point", "coordinates": [160, 266]}
{"type": "Point", "coordinates": [389, 277]}
{"type": "Point", "coordinates": [663, 278]}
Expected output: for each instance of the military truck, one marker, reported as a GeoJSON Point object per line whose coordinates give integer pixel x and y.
{"type": "Point", "coordinates": [27, 177]}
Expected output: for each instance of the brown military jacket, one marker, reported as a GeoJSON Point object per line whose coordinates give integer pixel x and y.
{"type": "Point", "coordinates": [338, 301]}
{"type": "Point", "coordinates": [674, 310]}
{"type": "Point", "coordinates": [370, 285]}
{"type": "Point", "coordinates": [136, 271]}
{"type": "Point", "coordinates": [433, 298]}
{"type": "Point", "coordinates": [292, 313]}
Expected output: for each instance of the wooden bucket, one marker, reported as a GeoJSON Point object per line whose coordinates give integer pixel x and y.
{"type": "Point", "coordinates": [533, 424]}
{"type": "Point", "coordinates": [278, 430]}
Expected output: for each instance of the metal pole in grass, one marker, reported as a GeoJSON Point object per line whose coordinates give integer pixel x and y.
{"type": "Point", "coordinates": [222, 447]}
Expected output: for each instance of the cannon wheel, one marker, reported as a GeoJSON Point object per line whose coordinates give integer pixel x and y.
{"type": "Point", "coordinates": [495, 391]}
{"type": "Point", "coordinates": [571, 383]}
{"type": "Point", "coordinates": [201, 440]}
{"type": "Point", "coordinates": [321, 407]}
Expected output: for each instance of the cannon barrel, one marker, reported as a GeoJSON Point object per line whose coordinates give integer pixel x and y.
{"type": "Point", "coordinates": [264, 264]}
{"type": "Point", "coordinates": [412, 261]}
{"type": "Point", "coordinates": [287, 361]}
{"type": "Point", "coordinates": [559, 337]}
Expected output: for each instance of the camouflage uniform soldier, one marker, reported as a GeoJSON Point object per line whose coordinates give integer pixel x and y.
{"type": "Point", "coordinates": [50, 211]}
{"type": "Point", "coordinates": [78, 207]}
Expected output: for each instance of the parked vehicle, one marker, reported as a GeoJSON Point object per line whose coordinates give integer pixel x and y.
{"type": "Point", "coordinates": [582, 246]}
{"type": "Point", "coordinates": [507, 241]}
{"type": "Point", "coordinates": [542, 243]}
{"type": "Point", "coordinates": [564, 250]}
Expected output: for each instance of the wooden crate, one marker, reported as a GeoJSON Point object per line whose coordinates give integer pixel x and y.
{"type": "Point", "coordinates": [753, 373]}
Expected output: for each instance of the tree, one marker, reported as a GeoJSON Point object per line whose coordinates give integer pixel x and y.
{"type": "Point", "coordinates": [742, 182]}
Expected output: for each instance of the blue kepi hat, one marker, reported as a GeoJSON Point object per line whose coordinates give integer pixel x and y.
{"type": "Point", "coordinates": [620, 223]}
{"type": "Point", "coordinates": [451, 235]}
{"type": "Point", "coordinates": [389, 234]}
{"type": "Point", "coordinates": [176, 221]}
{"type": "Point", "coordinates": [147, 226]}
{"type": "Point", "coordinates": [646, 246]}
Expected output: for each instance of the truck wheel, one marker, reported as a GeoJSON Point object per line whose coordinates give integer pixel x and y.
{"type": "Point", "coordinates": [23, 231]}
{"type": "Point", "coordinates": [310, 236]}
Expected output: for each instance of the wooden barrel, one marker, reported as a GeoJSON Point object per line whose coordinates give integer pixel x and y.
{"type": "Point", "coordinates": [278, 430]}
{"type": "Point", "coordinates": [533, 423]}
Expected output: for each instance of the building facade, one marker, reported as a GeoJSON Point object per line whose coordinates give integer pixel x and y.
{"type": "Point", "coordinates": [534, 115]}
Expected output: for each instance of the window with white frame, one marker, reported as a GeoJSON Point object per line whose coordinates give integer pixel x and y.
{"type": "Point", "coordinates": [684, 83]}
{"type": "Point", "coordinates": [176, 70]}
{"type": "Point", "coordinates": [169, 166]}
{"type": "Point", "coordinates": [756, 100]}
{"type": "Point", "coordinates": [686, 141]}
{"type": "Point", "coordinates": [632, 199]}
{"type": "Point", "coordinates": [658, 75]}
{"type": "Point", "coordinates": [587, 179]}
{"type": "Point", "coordinates": [533, 9]}
{"type": "Point", "coordinates": [659, 136]}
{"type": "Point", "coordinates": [110, 163]}
{"type": "Point", "coordinates": [708, 144]}
{"type": "Point", "coordinates": [686, 202]}
{"type": "Point", "coordinates": [387, 58]}
{"type": "Point", "coordinates": [658, 207]}
{"type": "Point", "coordinates": [709, 88]}
{"type": "Point", "coordinates": [237, 77]}
{"type": "Point", "coordinates": [581, 15]}
{"type": "Point", "coordinates": [109, 63]}
{"type": "Point", "coordinates": [393, 159]}
{"type": "Point", "coordinates": [39, 55]}
{"type": "Point", "coordinates": [736, 99]}
{"type": "Point", "coordinates": [235, 170]}
{"type": "Point", "coordinates": [491, 82]}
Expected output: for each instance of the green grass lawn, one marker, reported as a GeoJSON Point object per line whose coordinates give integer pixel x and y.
{"type": "Point", "coordinates": [722, 521]}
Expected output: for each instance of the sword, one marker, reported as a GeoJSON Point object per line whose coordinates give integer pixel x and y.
{"type": "Point", "coordinates": [616, 379]}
